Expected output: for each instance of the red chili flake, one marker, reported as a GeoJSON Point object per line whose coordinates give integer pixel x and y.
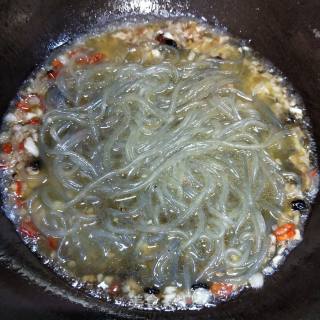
{"type": "Point", "coordinates": [53, 243]}
{"type": "Point", "coordinates": [313, 173]}
{"type": "Point", "coordinates": [23, 105]}
{"type": "Point", "coordinates": [7, 148]}
{"type": "Point", "coordinates": [160, 38]}
{"type": "Point", "coordinates": [285, 232]}
{"type": "Point", "coordinates": [91, 59]}
{"type": "Point", "coordinates": [20, 203]}
{"type": "Point", "coordinates": [28, 229]}
{"type": "Point", "coordinates": [114, 289]}
{"type": "Point", "coordinates": [82, 60]}
{"type": "Point", "coordinates": [57, 64]}
{"type": "Point", "coordinates": [221, 289]}
{"type": "Point", "coordinates": [52, 74]}
{"type": "Point", "coordinates": [95, 58]}
{"type": "Point", "coordinates": [18, 188]}
{"type": "Point", "coordinates": [21, 146]}
{"type": "Point", "coordinates": [34, 121]}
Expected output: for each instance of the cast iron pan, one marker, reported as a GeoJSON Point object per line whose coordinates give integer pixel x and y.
{"type": "Point", "coordinates": [283, 31]}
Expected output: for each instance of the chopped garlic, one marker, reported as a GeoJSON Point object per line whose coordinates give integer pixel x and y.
{"type": "Point", "coordinates": [168, 298]}
{"type": "Point", "coordinates": [103, 285]}
{"type": "Point", "coordinates": [156, 53]}
{"type": "Point", "coordinates": [260, 88]}
{"type": "Point", "coordinates": [39, 112]}
{"type": "Point", "coordinates": [10, 117]}
{"type": "Point", "coordinates": [120, 35]}
{"type": "Point", "coordinates": [277, 260]}
{"type": "Point", "coordinates": [30, 115]}
{"type": "Point", "coordinates": [108, 280]}
{"type": "Point", "coordinates": [181, 299]}
{"type": "Point", "coordinates": [268, 270]}
{"type": "Point", "coordinates": [297, 235]}
{"type": "Point", "coordinates": [34, 100]}
{"type": "Point", "coordinates": [31, 147]}
{"type": "Point", "coordinates": [168, 35]}
{"type": "Point", "coordinates": [297, 112]}
{"type": "Point", "coordinates": [191, 56]}
{"type": "Point", "coordinates": [170, 290]}
{"type": "Point", "coordinates": [201, 296]}
{"type": "Point", "coordinates": [256, 280]}
{"type": "Point", "coordinates": [100, 277]}
{"type": "Point", "coordinates": [63, 58]}
{"type": "Point", "coordinates": [151, 299]}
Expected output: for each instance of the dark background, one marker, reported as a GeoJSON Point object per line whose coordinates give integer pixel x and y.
{"type": "Point", "coordinates": [282, 31]}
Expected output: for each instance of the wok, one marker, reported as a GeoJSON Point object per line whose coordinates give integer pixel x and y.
{"type": "Point", "coordinates": [285, 32]}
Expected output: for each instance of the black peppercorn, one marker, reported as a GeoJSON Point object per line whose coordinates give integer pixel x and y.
{"type": "Point", "coordinates": [152, 290]}
{"type": "Point", "coordinates": [298, 205]}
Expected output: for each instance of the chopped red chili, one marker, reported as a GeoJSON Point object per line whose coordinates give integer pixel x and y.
{"type": "Point", "coordinates": [160, 38]}
{"type": "Point", "coordinates": [285, 232]}
{"type": "Point", "coordinates": [7, 148]}
{"type": "Point", "coordinates": [221, 289]}
{"type": "Point", "coordinates": [97, 57]}
{"type": "Point", "coordinates": [21, 146]}
{"type": "Point", "coordinates": [20, 203]}
{"type": "Point", "coordinates": [26, 104]}
{"type": "Point", "coordinates": [27, 228]}
{"type": "Point", "coordinates": [34, 121]}
{"type": "Point", "coordinates": [57, 64]}
{"type": "Point", "coordinates": [53, 243]}
{"type": "Point", "coordinates": [114, 289]}
{"type": "Point", "coordinates": [19, 188]}
{"type": "Point", "coordinates": [52, 74]}
{"type": "Point", "coordinates": [23, 105]}
{"type": "Point", "coordinates": [91, 59]}
{"type": "Point", "coordinates": [82, 60]}
{"type": "Point", "coordinates": [313, 173]}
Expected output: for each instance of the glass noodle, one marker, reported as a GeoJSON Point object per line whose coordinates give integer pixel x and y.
{"type": "Point", "coordinates": [161, 167]}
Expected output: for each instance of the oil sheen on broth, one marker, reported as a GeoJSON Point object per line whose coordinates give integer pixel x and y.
{"type": "Point", "coordinates": [159, 165]}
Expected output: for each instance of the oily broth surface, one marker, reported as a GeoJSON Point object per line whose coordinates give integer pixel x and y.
{"type": "Point", "coordinates": [120, 261]}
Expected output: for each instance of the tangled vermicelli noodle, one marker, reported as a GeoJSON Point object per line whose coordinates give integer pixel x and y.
{"type": "Point", "coordinates": [159, 171]}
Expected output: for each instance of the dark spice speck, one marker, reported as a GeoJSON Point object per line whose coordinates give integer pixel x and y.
{"type": "Point", "coordinates": [35, 164]}
{"type": "Point", "coordinates": [151, 290]}
{"type": "Point", "coordinates": [163, 40]}
{"type": "Point", "coordinates": [199, 285]}
{"type": "Point", "coordinates": [298, 205]}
